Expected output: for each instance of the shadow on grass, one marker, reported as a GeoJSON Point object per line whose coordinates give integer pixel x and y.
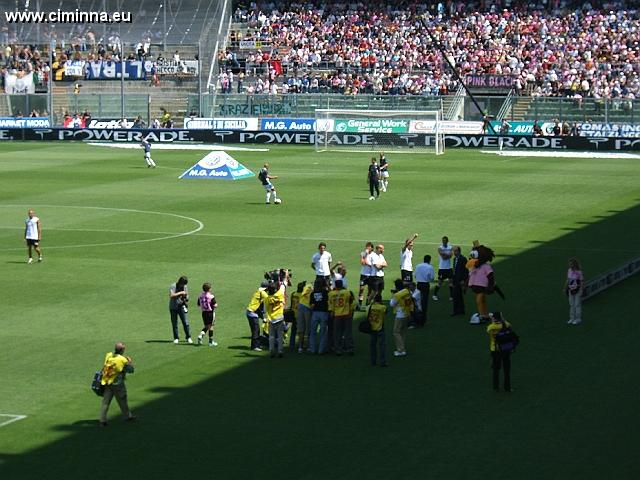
{"type": "Point", "coordinates": [430, 414]}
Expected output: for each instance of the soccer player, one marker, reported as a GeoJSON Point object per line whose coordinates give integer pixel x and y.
{"type": "Point", "coordinates": [265, 179]}
{"type": "Point", "coordinates": [383, 168]}
{"type": "Point", "coordinates": [365, 272]}
{"type": "Point", "coordinates": [445, 252]}
{"type": "Point", "coordinates": [406, 257]}
{"type": "Point", "coordinates": [373, 178]}
{"type": "Point", "coordinates": [378, 263]}
{"type": "Point", "coordinates": [321, 263]}
{"type": "Point", "coordinates": [33, 235]}
{"type": "Point", "coordinates": [147, 153]}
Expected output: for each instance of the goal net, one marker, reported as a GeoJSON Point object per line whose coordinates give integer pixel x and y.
{"type": "Point", "coordinates": [391, 130]}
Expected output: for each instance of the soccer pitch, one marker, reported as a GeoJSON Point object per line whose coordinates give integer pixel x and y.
{"type": "Point", "coordinates": [116, 235]}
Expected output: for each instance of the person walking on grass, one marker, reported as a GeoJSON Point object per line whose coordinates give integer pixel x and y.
{"type": "Point", "coordinates": [574, 288]}
{"type": "Point", "coordinates": [33, 235]}
{"type": "Point", "coordinates": [207, 303]}
{"type": "Point", "coordinates": [114, 371]}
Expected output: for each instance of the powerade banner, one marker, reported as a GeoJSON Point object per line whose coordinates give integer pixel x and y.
{"type": "Point", "coordinates": [303, 138]}
{"type": "Point", "coordinates": [111, 70]}
{"type": "Point", "coordinates": [28, 122]}
{"type": "Point", "coordinates": [217, 166]}
{"type": "Point", "coordinates": [626, 130]}
{"type": "Point", "coordinates": [288, 124]}
{"type": "Point", "coordinates": [381, 125]}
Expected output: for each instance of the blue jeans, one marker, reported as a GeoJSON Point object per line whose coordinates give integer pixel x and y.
{"type": "Point", "coordinates": [322, 319]}
{"type": "Point", "coordinates": [378, 337]}
{"type": "Point", "coordinates": [174, 323]}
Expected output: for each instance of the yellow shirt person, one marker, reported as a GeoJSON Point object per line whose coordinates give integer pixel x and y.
{"type": "Point", "coordinates": [341, 303]}
{"type": "Point", "coordinates": [376, 316]}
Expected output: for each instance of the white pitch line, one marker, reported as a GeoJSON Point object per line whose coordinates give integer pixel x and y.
{"type": "Point", "coordinates": [14, 418]}
{"type": "Point", "coordinates": [199, 227]}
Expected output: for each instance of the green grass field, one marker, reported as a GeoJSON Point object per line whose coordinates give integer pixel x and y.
{"type": "Point", "coordinates": [116, 235]}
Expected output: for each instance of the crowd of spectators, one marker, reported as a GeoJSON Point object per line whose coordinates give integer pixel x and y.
{"type": "Point", "coordinates": [16, 59]}
{"type": "Point", "coordinates": [578, 49]}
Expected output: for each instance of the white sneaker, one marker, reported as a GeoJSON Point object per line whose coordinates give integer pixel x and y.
{"type": "Point", "coordinates": [570, 322]}
{"type": "Point", "coordinates": [451, 299]}
{"type": "Point", "coordinates": [176, 341]}
{"type": "Point", "coordinates": [257, 349]}
{"type": "Point", "coordinates": [299, 349]}
{"type": "Point", "coordinates": [397, 354]}
{"type": "Point", "coordinates": [435, 297]}
{"type": "Point", "coordinates": [577, 322]}
{"type": "Point", "coordinates": [189, 340]}
{"type": "Point", "coordinates": [371, 198]}
{"type": "Point", "coordinates": [39, 259]}
{"type": "Point", "coordinates": [213, 344]}
{"type": "Point", "coordinates": [30, 260]}
{"type": "Point", "coordinates": [199, 340]}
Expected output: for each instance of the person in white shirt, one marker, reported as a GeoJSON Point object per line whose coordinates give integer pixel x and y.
{"type": "Point", "coordinates": [365, 273]}
{"type": "Point", "coordinates": [378, 263]}
{"type": "Point", "coordinates": [424, 275]}
{"type": "Point", "coordinates": [406, 257]}
{"type": "Point", "coordinates": [445, 272]}
{"type": "Point", "coordinates": [33, 235]}
{"type": "Point", "coordinates": [321, 263]}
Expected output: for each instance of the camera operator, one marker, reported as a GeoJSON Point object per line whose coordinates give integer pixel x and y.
{"type": "Point", "coordinates": [274, 309]}
{"type": "Point", "coordinates": [178, 300]}
{"type": "Point", "coordinates": [255, 314]}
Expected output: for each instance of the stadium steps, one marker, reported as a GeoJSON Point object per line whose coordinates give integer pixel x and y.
{"type": "Point", "coordinates": [520, 108]}
{"type": "Point", "coordinates": [5, 110]}
{"type": "Point", "coordinates": [60, 101]}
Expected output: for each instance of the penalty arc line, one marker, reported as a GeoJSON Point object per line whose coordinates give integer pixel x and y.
{"type": "Point", "coordinates": [14, 418]}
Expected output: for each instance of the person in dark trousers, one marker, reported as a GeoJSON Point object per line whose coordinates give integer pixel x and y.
{"type": "Point", "coordinates": [424, 274]}
{"type": "Point", "coordinates": [373, 177]}
{"type": "Point", "coordinates": [376, 315]}
{"type": "Point", "coordinates": [499, 359]}
{"type": "Point", "coordinates": [115, 369]}
{"type": "Point", "coordinates": [460, 276]}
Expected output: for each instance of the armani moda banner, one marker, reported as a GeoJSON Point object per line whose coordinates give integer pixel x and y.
{"type": "Point", "coordinates": [308, 138]}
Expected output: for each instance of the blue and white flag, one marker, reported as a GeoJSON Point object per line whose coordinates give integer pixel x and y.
{"type": "Point", "coordinates": [218, 166]}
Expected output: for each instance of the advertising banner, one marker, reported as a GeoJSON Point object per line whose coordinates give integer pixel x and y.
{"type": "Point", "coordinates": [610, 278]}
{"type": "Point", "coordinates": [288, 124]}
{"type": "Point", "coordinates": [221, 123]}
{"type": "Point", "coordinates": [524, 128]}
{"type": "Point", "coordinates": [378, 125]}
{"type": "Point", "coordinates": [446, 126]}
{"type": "Point", "coordinates": [250, 44]}
{"type": "Point", "coordinates": [181, 68]}
{"type": "Point", "coordinates": [27, 122]}
{"type": "Point", "coordinates": [217, 166]}
{"type": "Point", "coordinates": [111, 70]}
{"type": "Point", "coordinates": [490, 81]}
{"type": "Point", "coordinates": [376, 140]}
{"type": "Point", "coordinates": [626, 130]}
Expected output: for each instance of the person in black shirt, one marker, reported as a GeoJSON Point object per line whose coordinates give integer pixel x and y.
{"type": "Point", "coordinates": [373, 178]}
{"type": "Point", "coordinates": [319, 302]}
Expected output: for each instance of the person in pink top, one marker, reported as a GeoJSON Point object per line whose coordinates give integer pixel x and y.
{"type": "Point", "coordinates": [573, 288]}
{"type": "Point", "coordinates": [481, 280]}
{"type": "Point", "coordinates": [207, 303]}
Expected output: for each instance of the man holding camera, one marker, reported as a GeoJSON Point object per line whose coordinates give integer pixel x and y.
{"type": "Point", "coordinates": [274, 309]}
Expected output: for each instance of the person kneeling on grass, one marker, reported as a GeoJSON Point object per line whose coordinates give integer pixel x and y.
{"type": "Point", "coordinates": [207, 303]}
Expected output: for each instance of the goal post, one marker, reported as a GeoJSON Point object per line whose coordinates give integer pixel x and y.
{"type": "Point", "coordinates": [369, 130]}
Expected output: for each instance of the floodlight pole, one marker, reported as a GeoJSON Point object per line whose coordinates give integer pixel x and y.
{"type": "Point", "coordinates": [122, 69]}
{"type": "Point", "coordinates": [441, 49]}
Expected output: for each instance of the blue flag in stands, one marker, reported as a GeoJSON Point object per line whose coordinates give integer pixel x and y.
{"type": "Point", "coordinates": [218, 166]}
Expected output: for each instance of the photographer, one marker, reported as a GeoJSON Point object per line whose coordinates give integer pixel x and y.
{"type": "Point", "coordinates": [178, 300]}
{"type": "Point", "coordinates": [255, 315]}
{"type": "Point", "coordinates": [274, 309]}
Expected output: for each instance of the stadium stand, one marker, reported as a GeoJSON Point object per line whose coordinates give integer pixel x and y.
{"type": "Point", "coordinates": [559, 48]}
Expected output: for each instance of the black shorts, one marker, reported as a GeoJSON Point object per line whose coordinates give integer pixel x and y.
{"type": "Point", "coordinates": [208, 318]}
{"type": "Point", "coordinates": [33, 242]}
{"type": "Point", "coordinates": [406, 275]}
{"type": "Point", "coordinates": [376, 283]}
{"type": "Point", "coordinates": [364, 280]}
{"type": "Point", "coordinates": [445, 274]}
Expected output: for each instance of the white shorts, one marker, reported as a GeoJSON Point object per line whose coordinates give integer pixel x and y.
{"type": "Point", "coordinates": [385, 174]}
{"type": "Point", "coordinates": [268, 187]}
